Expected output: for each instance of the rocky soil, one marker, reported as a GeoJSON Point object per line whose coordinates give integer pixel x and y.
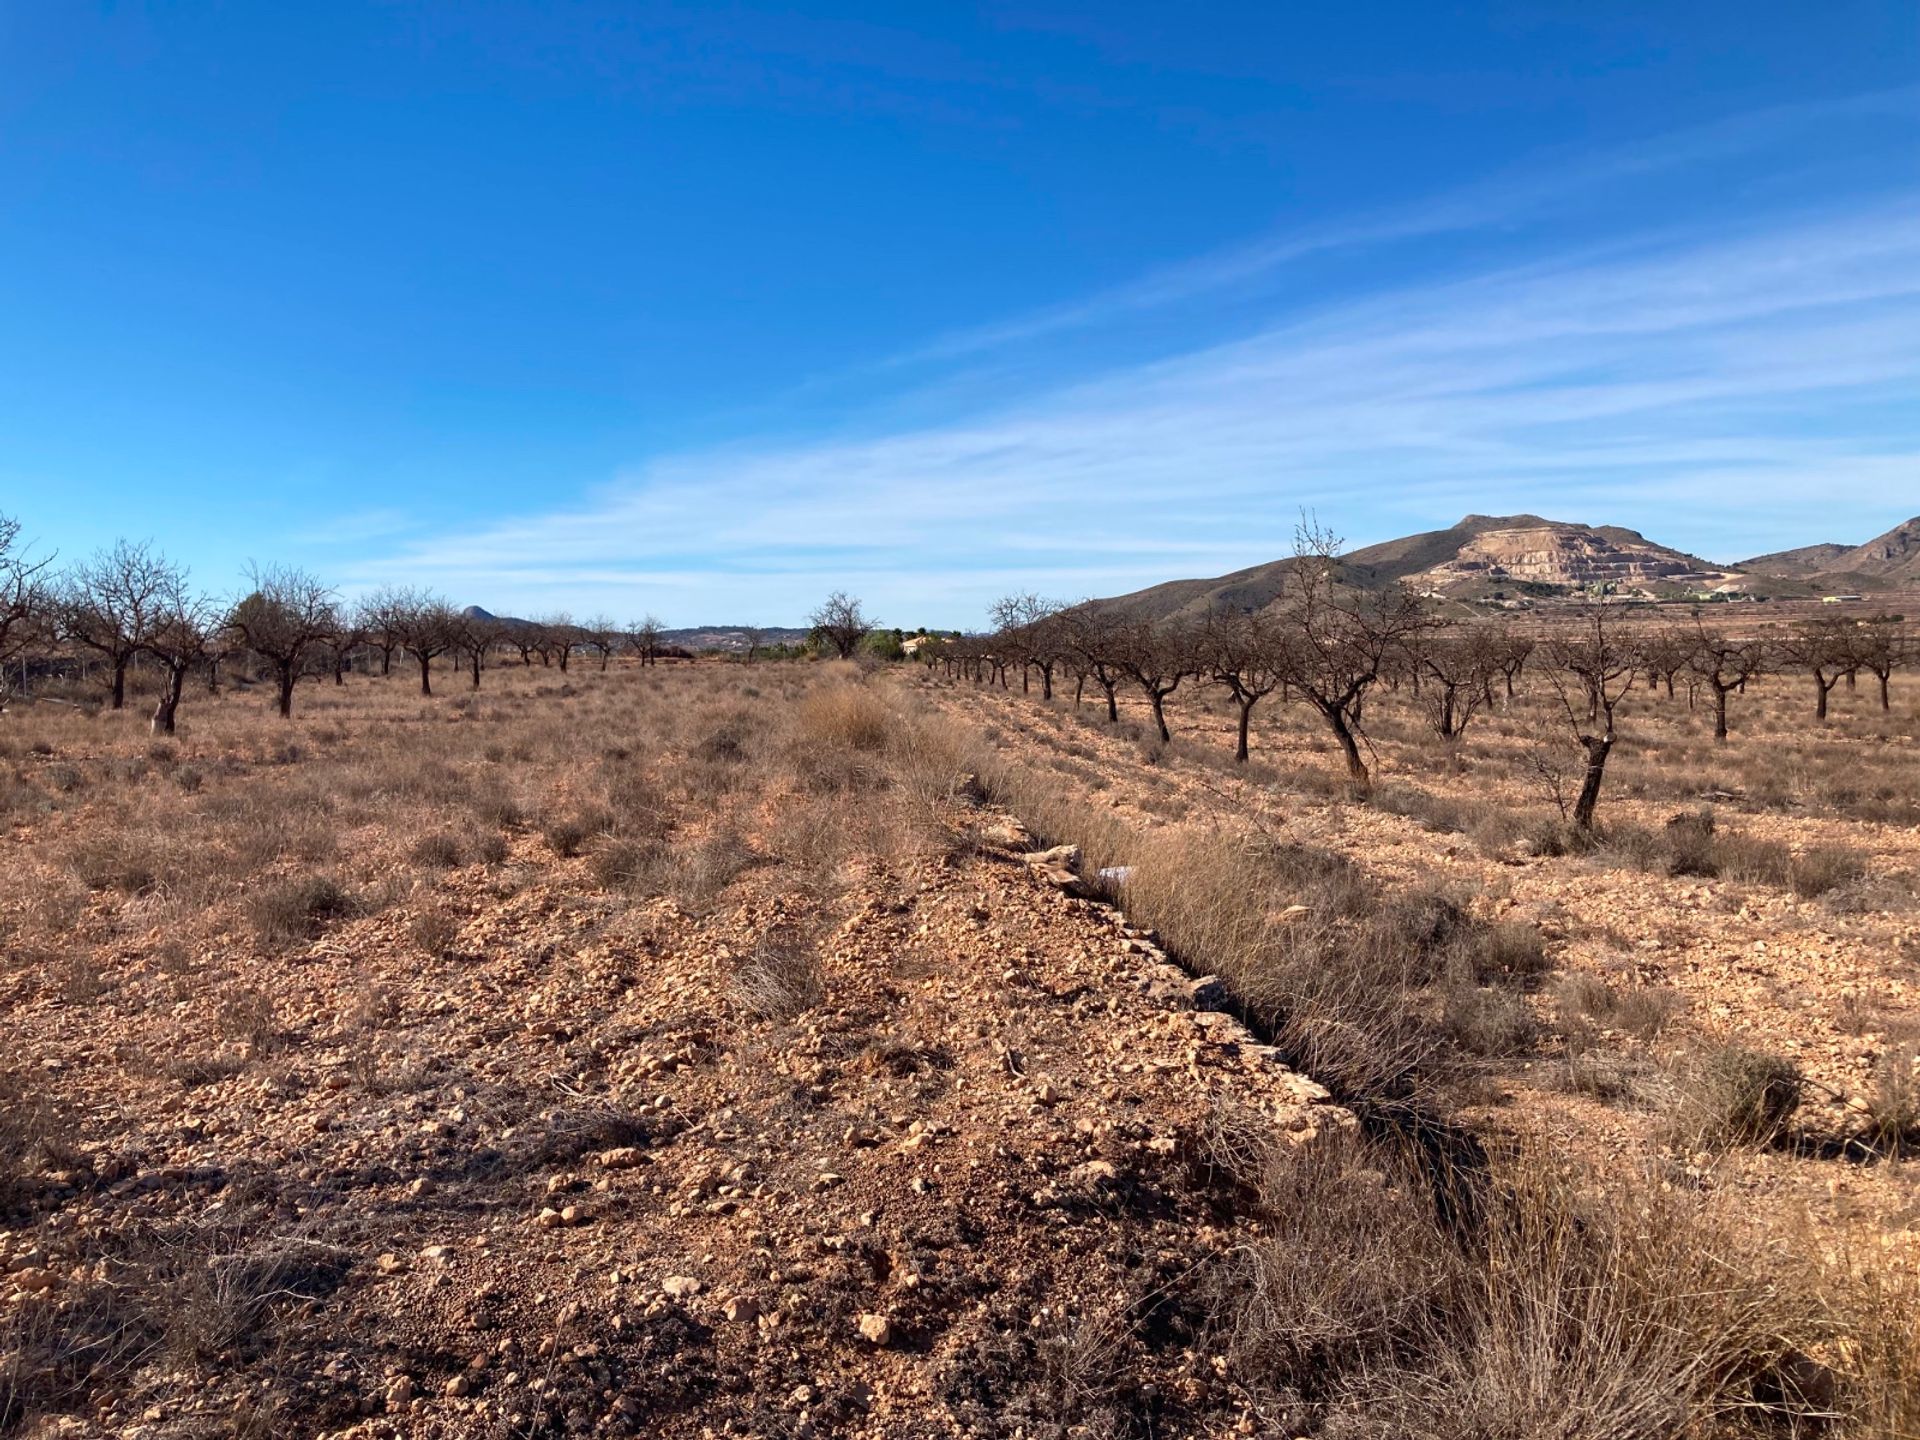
{"type": "Point", "coordinates": [672, 1054]}
{"type": "Point", "coordinates": [949, 1165]}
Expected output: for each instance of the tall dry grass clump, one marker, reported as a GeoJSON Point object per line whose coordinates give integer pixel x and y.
{"type": "Point", "coordinates": [846, 715]}
{"type": "Point", "coordinates": [851, 738]}
{"type": "Point", "coordinates": [1732, 1095]}
{"type": "Point", "coordinates": [1574, 1310]}
{"type": "Point", "coordinates": [1613, 1313]}
{"type": "Point", "coordinates": [1323, 964]}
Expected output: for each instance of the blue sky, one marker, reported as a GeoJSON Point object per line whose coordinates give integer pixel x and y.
{"type": "Point", "coordinates": [706, 309]}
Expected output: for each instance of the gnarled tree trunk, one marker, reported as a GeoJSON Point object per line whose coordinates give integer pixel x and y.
{"type": "Point", "coordinates": [1598, 747]}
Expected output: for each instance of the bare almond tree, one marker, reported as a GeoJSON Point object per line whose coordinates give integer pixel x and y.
{"type": "Point", "coordinates": [24, 602]}
{"type": "Point", "coordinates": [1092, 636]}
{"type": "Point", "coordinates": [840, 622]}
{"type": "Point", "coordinates": [1344, 635]}
{"type": "Point", "coordinates": [1247, 653]}
{"type": "Point", "coordinates": [1882, 646]}
{"type": "Point", "coordinates": [181, 637]}
{"type": "Point", "coordinates": [1822, 650]}
{"type": "Point", "coordinates": [644, 636]}
{"type": "Point", "coordinates": [1593, 658]}
{"type": "Point", "coordinates": [475, 637]}
{"type": "Point", "coordinates": [1458, 666]}
{"type": "Point", "coordinates": [1030, 635]}
{"type": "Point", "coordinates": [558, 636]}
{"type": "Point", "coordinates": [428, 629]}
{"type": "Point", "coordinates": [282, 619]}
{"type": "Point", "coordinates": [1156, 657]}
{"type": "Point", "coordinates": [600, 635]}
{"type": "Point", "coordinates": [1723, 663]}
{"type": "Point", "coordinates": [1664, 654]}
{"type": "Point", "coordinates": [377, 617]}
{"type": "Point", "coordinates": [1511, 653]}
{"type": "Point", "coordinates": [526, 640]}
{"type": "Point", "coordinates": [347, 637]}
{"type": "Point", "coordinates": [110, 604]}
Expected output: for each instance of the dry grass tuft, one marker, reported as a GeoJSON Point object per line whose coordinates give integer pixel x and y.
{"type": "Point", "coordinates": [437, 851]}
{"type": "Point", "coordinates": [435, 929]}
{"type": "Point", "coordinates": [298, 909]}
{"type": "Point", "coordinates": [247, 1013]}
{"type": "Point", "coordinates": [844, 717]}
{"type": "Point", "coordinates": [781, 979]}
{"type": "Point", "coordinates": [1347, 1278]}
{"type": "Point", "coordinates": [1488, 1021]}
{"type": "Point", "coordinates": [131, 863]}
{"type": "Point", "coordinates": [1572, 1312]}
{"type": "Point", "coordinates": [1734, 1096]}
{"type": "Point", "coordinates": [568, 836]}
{"type": "Point", "coordinates": [1609, 1314]}
{"type": "Point", "coordinates": [1641, 1011]}
{"type": "Point", "coordinates": [1893, 1105]}
{"type": "Point", "coordinates": [636, 864]}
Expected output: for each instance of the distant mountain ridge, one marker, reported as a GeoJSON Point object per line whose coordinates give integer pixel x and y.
{"type": "Point", "coordinates": [1527, 559]}
{"type": "Point", "coordinates": [1890, 558]}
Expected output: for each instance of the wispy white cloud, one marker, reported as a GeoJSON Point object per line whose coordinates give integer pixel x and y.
{"type": "Point", "coordinates": [1748, 389]}
{"type": "Point", "coordinates": [1546, 184]}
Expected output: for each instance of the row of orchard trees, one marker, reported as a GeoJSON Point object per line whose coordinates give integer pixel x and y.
{"type": "Point", "coordinates": [1328, 645]}
{"type": "Point", "coordinates": [130, 601]}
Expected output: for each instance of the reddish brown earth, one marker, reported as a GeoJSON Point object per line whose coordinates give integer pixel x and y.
{"type": "Point", "coordinates": [562, 1173]}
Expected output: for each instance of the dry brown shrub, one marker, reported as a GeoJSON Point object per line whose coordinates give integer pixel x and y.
{"type": "Point", "coordinates": [256, 832]}
{"type": "Point", "coordinates": [568, 836]}
{"type": "Point", "coordinates": [699, 871]}
{"type": "Point", "coordinates": [115, 859]}
{"type": "Point", "coordinates": [810, 838]}
{"type": "Point", "coordinates": [215, 1297]}
{"type": "Point", "coordinates": [437, 850]}
{"type": "Point", "coordinates": [1730, 1095]}
{"type": "Point", "coordinates": [1893, 1103]}
{"type": "Point", "coordinates": [1879, 1313]}
{"type": "Point", "coordinates": [782, 978]}
{"type": "Point", "coordinates": [637, 864]}
{"type": "Point", "coordinates": [1488, 1021]}
{"type": "Point", "coordinates": [844, 716]}
{"type": "Point", "coordinates": [1348, 1275]}
{"type": "Point", "coordinates": [82, 978]}
{"type": "Point", "coordinates": [435, 929]}
{"type": "Point", "coordinates": [1641, 1011]}
{"type": "Point", "coordinates": [1335, 984]}
{"type": "Point", "coordinates": [1612, 1313]}
{"type": "Point", "coordinates": [299, 908]}
{"type": "Point", "coordinates": [1824, 868]}
{"type": "Point", "coordinates": [1598, 1074]}
{"type": "Point", "coordinates": [247, 1013]}
{"type": "Point", "coordinates": [27, 1122]}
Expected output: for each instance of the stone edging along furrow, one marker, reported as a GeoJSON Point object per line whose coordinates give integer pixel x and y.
{"type": "Point", "coordinates": [1300, 1107]}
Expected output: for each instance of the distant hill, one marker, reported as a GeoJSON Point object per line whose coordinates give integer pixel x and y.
{"type": "Point", "coordinates": [1500, 558]}
{"type": "Point", "coordinates": [695, 637]}
{"type": "Point", "coordinates": [1889, 559]}
{"type": "Point", "coordinates": [474, 612]}
{"type": "Point", "coordinates": [1804, 563]}
{"type": "Point", "coordinates": [733, 638]}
